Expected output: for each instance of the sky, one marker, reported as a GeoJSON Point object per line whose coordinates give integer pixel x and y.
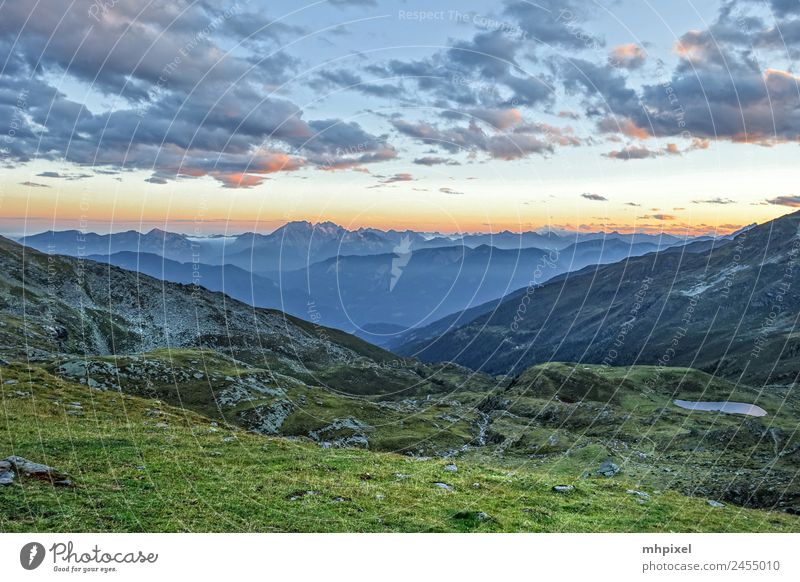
{"type": "Point", "coordinates": [224, 117]}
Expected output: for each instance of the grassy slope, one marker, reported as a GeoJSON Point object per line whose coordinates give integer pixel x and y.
{"type": "Point", "coordinates": [138, 469]}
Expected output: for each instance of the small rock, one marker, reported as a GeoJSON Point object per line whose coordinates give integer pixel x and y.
{"type": "Point", "coordinates": [401, 476]}
{"type": "Point", "coordinates": [643, 497]}
{"type": "Point", "coordinates": [228, 439]}
{"type": "Point", "coordinates": [365, 477]}
{"type": "Point", "coordinates": [300, 494]}
{"type": "Point", "coordinates": [563, 488]}
{"type": "Point", "coordinates": [444, 486]}
{"type": "Point", "coordinates": [482, 516]}
{"type": "Point", "coordinates": [476, 485]}
{"type": "Point", "coordinates": [451, 468]}
{"type": "Point", "coordinates": [162, 425]}
{"type": "Point", "coordinates": [713, 503]}
{"type": "Point", "coordinates": [10, 381]}
{"type": "Point", "coordinates": [608, 469]}
{"type": "Point", "coordinates": [380, 496]}
{"type": "Point", "coordinates": [198, 375]}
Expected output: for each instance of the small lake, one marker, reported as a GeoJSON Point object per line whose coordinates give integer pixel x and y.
{"type": "Point", "coordinates": [726, 407]}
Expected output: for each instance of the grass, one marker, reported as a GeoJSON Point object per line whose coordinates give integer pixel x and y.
{"type": "Point", "coordinates": [142, 465]}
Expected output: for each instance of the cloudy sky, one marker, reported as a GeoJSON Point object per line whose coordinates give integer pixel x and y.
{"type": "Point", "coordinates": [440, 115]}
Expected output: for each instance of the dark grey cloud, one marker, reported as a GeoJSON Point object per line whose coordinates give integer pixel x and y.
{"type": "Point", "coordinates": [792, 201]}
{"type": "Point", "coordinates": [506, 135]}
{"type": "Point", "coordinates": [632, 153]}
{"type": "Point", "coordinates": [30, 184]}
{"type": "Point", "coordinates": [472, 138]}
{"type": "Point", "coordinates": [451, 191]}
{"type": "Point", "coordinates": [481, 71]}
{"type": "Point", "coordinates": [435, 161]}
{"type": "Point", "coordinates": [344, 79]}
{"type": "Point", "coordinates": [60, 176]}
{"type": "Point", "coordinates": [596, 197]}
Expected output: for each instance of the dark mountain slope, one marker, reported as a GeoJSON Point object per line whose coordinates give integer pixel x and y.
{"type": "Point", "coordinates": [52, 305]}
{"type": "Point", "coordinates": [229, 279]}
{"type": "Point", "coordinates": [730, 309]}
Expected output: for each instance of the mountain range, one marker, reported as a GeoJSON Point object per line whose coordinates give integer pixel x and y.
{"type": "Point", "coordinates": [728, 307]}
{"type": "Point", "coordinates": [300, 243]}
{"type": "Point", "coordinates": [378, 296]}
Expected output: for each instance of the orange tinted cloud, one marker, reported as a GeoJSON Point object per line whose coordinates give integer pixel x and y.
{"type": "Point", "coordinates": [254, 174]}
{"type": "Point", "coordinates": [629, 56]}
{"type": "Point", "coordinates": [624, 125]}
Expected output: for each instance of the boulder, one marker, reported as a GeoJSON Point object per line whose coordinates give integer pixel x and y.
{"type": "Point", "coordinates": [28, 469]}
{"type": "Point", "coordinates": [563, 488]}
{"type": "Point", "coordinates": [608, 469]}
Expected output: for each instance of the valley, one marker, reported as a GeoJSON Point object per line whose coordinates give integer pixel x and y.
{"type": "Point", "coordinates": [186, 356]}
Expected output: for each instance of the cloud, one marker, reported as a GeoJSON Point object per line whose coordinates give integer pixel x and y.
{"type": "Point", "coordinates": [717, 200]}
{"type": "Point", "coordinates": [792, 201]}
{"type": "Point", "coordinates": [60, 176]}
{"type": "Point", "coordinates": [622, 125]}
{"type": "Point", "coordinates": [435, 161]}
{"type": "Point", "coordinates": [523, 140]}
{"type": "Point", "coordinates": [642, 152]}
{"type": "Point", "coordinates": [184, 105]}
{"type": "Point", "coordinates": [554, 22]}
{"type": "Point", "coordinates": [34, 184]}
{"type": "Point", "coordinates": [482, 71]}
{"type": "Point", "coordinates": [156, 180]}
{"type": "Point", "coordinates": [632, 153]}
{"type": "Point", "coordinates": [345, 79]}
{"type": "Point", "coordinates": [719, 89]}
{"type": "Point", "coordinates": [627, 56]}
{"type": "Point", "coordinates": [658, 217]}
{"type": "Point", "coordinates": [446, 190]}
{"type": "Point", "coordinates": [632, 204]}
{"type": "Point", "coordinates": [402, 177]}
{"type": "Point", "coordinates": [597, 197]}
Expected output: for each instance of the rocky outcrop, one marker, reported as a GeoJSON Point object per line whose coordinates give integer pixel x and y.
{"type": "Point", "coordinates": [18, 467]}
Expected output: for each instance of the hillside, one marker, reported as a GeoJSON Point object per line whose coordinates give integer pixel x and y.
{"type": "Point", "coordinates": [53, 305]}
{"type": "Point", "coordinates": [142, 466]}
{"type": "Point", "coordinates": [730, 309]}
